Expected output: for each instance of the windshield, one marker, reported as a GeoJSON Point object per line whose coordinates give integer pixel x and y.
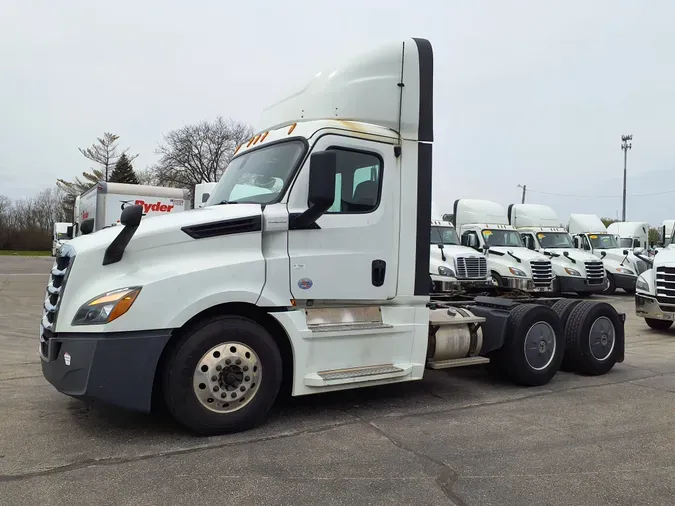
{"type": "Point", "coordinates": [555, 240]}
{"type": "Point", "coordinates": [258, 177]}
{"type": "Point", "coordinates": [61, 236]}
{"type": "Point", "coordinates": [444, 235]}
{"type": "Point", "coordinates": [603, 241]}
{"type": "Point", "coordinates": [502, 238]}
{"type": "Point", "coordinates": [626, 242]}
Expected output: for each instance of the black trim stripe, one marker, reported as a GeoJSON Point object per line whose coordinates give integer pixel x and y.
{"type": "Point", "coordinates": [508, 212]}
{"type": "Point", "coordinates": [423, 246]}
{"type": "Point", "coordinates": [225, 227]}
{"type": "Point", "coordinates": [424, 170]}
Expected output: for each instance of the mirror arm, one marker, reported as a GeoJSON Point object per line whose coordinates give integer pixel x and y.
{"type": "Point", "coordinates": [307, 220]}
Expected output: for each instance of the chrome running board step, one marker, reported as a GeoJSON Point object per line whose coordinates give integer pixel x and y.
{"type": "Point", "coordinates": [357, 374]}
{"type": "Point", "coordinates": [457, 362]}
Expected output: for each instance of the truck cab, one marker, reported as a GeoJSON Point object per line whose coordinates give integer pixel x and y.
{"type": "Point", "coordinates": [540, 228]}
{"type": "Point", "coordinates": [655, 288]}
{"type": "Point", "coordinates": [484, 226]}
{"type": "Point", "coordinates": [665, 233]}
{"type": "Point", "coordinates": [631, 234]}
{"type": "Point", "coordinates": [449, 258]}
{"type": "Point", "coordinates": [621, 265]}
{"type": "Point", "coordinates": [62, 233]}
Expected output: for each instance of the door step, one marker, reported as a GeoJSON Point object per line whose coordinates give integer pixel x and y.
{"type": "Point", "coordinates": [347, 327]}
{"type": "Point", "coordinates": [457, 362]}
{"type": "Point", "coordinates": [356, 374]}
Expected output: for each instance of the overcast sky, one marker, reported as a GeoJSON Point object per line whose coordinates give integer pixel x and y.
{"type": "Point", "coordinates": [526, 92]}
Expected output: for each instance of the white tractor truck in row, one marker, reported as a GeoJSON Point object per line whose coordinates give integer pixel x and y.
{"type": "Point", "coordinates": [61, 233]}
{"type": "Point", "coordinates": [630, 234]}
{"type": "Point", "coordinates": [453, 266]}
{"type": "Point", "coordinates": [318, 282]}
{"type": "Point", "coordinates": [621, 264]}
{"type": "Point", "coordinates": [666, 229]}
{"type": "Point", "coordinates": [484, 226]}
{"type": "Point", "coordinates": [575, 271]}
{"type": "Point", "coordinates": [655, 288]}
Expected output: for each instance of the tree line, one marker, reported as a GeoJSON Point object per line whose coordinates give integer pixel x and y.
{"type": "Point", "coordinates": [187, 156]}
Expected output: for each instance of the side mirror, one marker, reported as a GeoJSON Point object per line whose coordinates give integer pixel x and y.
{"type": "Point", "coordinates": [321, 191]}
{"type": "Point", "coordinates": [625, 252]}
{"type": "Point", "coordinates": [87, 226]}
{"type": "Point", "coordinates": [69, 232]}
{"type": "Point", "coordinates": [131, 216]}
{"type": "Point", "coordinates": [440, 247]}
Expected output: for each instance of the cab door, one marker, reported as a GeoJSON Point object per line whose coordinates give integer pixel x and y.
{"type": "Point", "coordinates": [351, 252]}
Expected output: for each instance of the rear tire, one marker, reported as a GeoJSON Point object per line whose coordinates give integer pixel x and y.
{"type": "Point", "coordinates": [592, 333]}
{"type": "Point", "coordinates": [611, 285]}
{"type": "Point", "coordinates": [658, 324]}
{"type": "Point", "coordinates": [563, 308]}
{"type": "Point", "coordinates": [222, 376]}
{"type": "Point", "coordinates": [534, 345]}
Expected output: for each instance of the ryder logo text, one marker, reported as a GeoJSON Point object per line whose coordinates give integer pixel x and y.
{"type": "Point", "coordinates": [157, 207]}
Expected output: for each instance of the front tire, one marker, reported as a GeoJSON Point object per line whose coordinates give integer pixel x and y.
{"type": "Point", "coordinates": [534, 345]}
{"type": "Point", "coordinates": [592, 333]}
{"type": "Point", "coordinates": [222, 376]}
{"type": "Point", "coordinates": [658, 324]}
{"type": "Point", "coordinates": [611, 285]}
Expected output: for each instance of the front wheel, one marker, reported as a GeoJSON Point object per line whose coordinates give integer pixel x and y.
{"type": "Point", "coordinates": [611, 285]}
{"type": "Point", "coordinates": [659, 324]}
{"type": "Point", "coordinates": [222, 376]}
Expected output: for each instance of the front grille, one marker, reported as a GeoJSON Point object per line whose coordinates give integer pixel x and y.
{"type": "Point", "coordinates": [641, 266]}
{"type": "Point", "coordinates": [542, 272]}
{"type": "Point", "coordinates": [665, 285]}
{"type": "Point", "coordinates": [471, 267]}
{"type": "Point", "coordinates": [595, 272]}
{"type": "Point", "coordinates": [50, 307]}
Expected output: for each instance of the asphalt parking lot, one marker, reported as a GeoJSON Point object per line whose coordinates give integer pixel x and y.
{"type": "Point", "coordinates": [454, 438]}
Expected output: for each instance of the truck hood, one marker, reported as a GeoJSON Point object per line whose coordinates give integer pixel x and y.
{"type": "Point", "coordinates": [162, 230]}
{"type": "Point", "coordinates": [578, 255]}
{"type": "Point", "coordinates": [665, 258]}
{"type": "Point", "coordinates": [454, 250]}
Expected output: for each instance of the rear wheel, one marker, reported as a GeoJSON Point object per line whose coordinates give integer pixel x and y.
{"type": "Point", "coordinates": [223, 376]}
{"type": "Point", "coordinates": [592, 332]}
{"type": "Point", "coordinates": [563, 308]}
{"type": "Point", "coordinates": [659, 324]}
{"type": "Point", "coordinates": [611, 285]}
{"type": "Point", "coordinates": [534, 345]}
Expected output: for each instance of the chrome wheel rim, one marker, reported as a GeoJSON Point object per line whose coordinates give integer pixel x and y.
{"type": "Point", "coordinates": [540, 346]}
{"type": "Point", "coordinates": [227, 377]}
{"type": "Point", "coordinates": [602, 338]}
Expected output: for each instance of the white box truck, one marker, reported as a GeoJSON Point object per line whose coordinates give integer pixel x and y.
{"type": "Point", "coordinates": [622, 266]}
{"type": "Point", "coordinates": [541, 230]}
{"type": "Point", "coordinates": [318, 281]}
{"type": "Point", "coordinates": [105, 202]}
{"type": "Point", "coordinates": [449, 260]}
{"type": "Point", "coordinates": [484, 226]}
{"type": "Point", "coordinates": [631, 234]}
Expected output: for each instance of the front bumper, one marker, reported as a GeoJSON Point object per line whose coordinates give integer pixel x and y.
{"type": "Point", "coordinates": [528, 285]}
{"type": "Point", "coordinates": [115, 368]}
{"type": "Point", "coordinates": [648, 307]}
{"type": "Point", "coordinates": [580, 285]}
{"type": "Point", "coordinates": [443, 284]}
{"type": "Point", "coordinates": [476, 284]}
{"type": "Point", "coordinates": [625, 281]}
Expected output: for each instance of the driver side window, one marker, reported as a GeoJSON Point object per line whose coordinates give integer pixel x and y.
{"type": "Point", "coordinates": [470, 239]}
{"type": "Point", "coordinates": [357, 182]}
{"type": "Point", "coordinates": [528, 240]}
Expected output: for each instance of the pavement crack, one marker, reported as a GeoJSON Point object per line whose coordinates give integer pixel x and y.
{"type": "Point", "coordinates": [447, 477]}
{"type": "Point", "coordinates": [115, 461]}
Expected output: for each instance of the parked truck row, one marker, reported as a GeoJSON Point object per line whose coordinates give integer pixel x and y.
{"type": "Point", "coordinates": [308, 268]}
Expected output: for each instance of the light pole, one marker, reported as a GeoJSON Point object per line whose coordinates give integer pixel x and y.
{"type": "Point", "coordinates": [626, 144]}
{"type": "Point", "coordinates": [524, 187]}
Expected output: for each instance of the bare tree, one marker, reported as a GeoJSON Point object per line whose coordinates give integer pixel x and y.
{"type": "Point", "coordinates": [198, 153]}
{"type": "Point", "coordinates": [105, 152]}
{"type": "Point", "coordinates": [28, 223]}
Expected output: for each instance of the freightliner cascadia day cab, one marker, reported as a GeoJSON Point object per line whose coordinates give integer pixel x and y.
{"type": "Point", "coordinates": [655, 289]}
{"type": "Point", "coordinates": [105, 202]}
{"type": "Point", "coordinates": [484, 226]}
{"type": "Point", "coordinates": [666, 229]}
{"type": "Point", "coordinates": [318, 282]}
{"type": "Point", "coordinates": [540, 228]}
{"type": "Point", "coordinates": [449, 259]}
{"type": "Point", "coordinates": [622, 266]}
{"type": "Point", "coordinates": [631, 234]}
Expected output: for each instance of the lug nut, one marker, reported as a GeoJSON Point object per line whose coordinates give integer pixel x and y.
{"type": "Point", "coordinates": [245, 368]}
{"type": "Point", "coordinates": [234, 395]}
{"type": "Point", "coordinates": [223, 395]}
{"type": "Point", "coordinates": [215, 389]}
{"type": "Point", "coordinates": [238, 361]}
{"type": "Point", "coordinates": [228, 361]}
{"type": "Point", "coordinates": [243, 389]}
{"type": "Point", "coordinates": [247, 378]}
{"type": "Point", "coordinates": [214, 378]}
{"type": "Point", "coordinates": [218, 368]}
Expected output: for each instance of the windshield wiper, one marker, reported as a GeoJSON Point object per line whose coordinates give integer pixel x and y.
{"type": "Point", "coordinates": [227, 202]}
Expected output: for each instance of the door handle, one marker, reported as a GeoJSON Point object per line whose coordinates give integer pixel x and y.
{"type": "Point", "coordinates": [378, 272]}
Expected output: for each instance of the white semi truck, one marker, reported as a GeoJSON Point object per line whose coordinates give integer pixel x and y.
{"type": "Point", "coordinates": [202, 194]}
{"type": "Point", "coordinates": [666, 229]}
{"type": "Point", "coordinates": [541, 230]}
{"type": "Point", "coordinates": [655, 288]}
{"type": "Point", "coordinates": [319, 281]}
{"type": "Point", "coordinates": [449, 259]}
{"type": "Point", "coordinates": [61, 233]}
{"type": "Point", "coordinates": [484, 226]}
{"type": "Point", "coordinates": [103, 203]}
{"type": "Point", "coordinates": [622, 266]}
{"type": "Point", "coordinates": [631, 234]}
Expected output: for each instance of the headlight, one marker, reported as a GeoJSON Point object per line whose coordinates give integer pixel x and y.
{"type": "Point", "coordinates": [572, 272]}
{"type": "Point", "coordinates": [445, 271]}
{"type": "Point", "coordinates": [623, 270]}
{"type": "Point", "coordinates": [517, 272]}
{"type": "Point", "coordinates": [106, 307]}
{"type": "Point", "coordinates": [641, 284]}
